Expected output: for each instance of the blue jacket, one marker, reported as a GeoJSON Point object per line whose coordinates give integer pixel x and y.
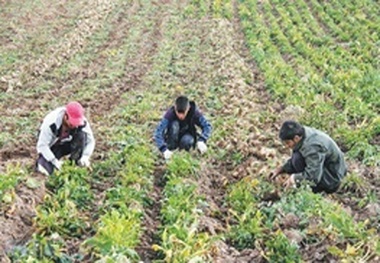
{"type": "Point", "coordinates": [193, 118]}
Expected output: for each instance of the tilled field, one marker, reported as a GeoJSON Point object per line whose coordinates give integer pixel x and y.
{"type": "Point", "coordinates": [126, 61]}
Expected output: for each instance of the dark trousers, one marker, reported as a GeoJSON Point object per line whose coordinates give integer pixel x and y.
{"type": "Point", "coordinates": [176, 138]}
{"type": "Point", "coordinates": [74, 148]}
{"type": "Point", "coordinates": [299, 165]}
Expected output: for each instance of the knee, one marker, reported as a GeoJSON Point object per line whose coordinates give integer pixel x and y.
{"type": "Point", "coordinates": [43, 166]}
{"type": "Point", "coordinates": [187, 141]}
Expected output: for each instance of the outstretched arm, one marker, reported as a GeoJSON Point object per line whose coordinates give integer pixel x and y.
{"type": "Point", "coordinates": [159, 134]}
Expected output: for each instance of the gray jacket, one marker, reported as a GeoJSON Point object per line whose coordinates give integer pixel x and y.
{"type": "Point", "coordinates": [325, 165]}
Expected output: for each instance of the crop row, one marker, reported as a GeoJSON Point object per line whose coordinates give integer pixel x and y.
{"type": "Point", "coordinates": [327, 80]}
{"type": "Point", "coordinates": [116, 189]}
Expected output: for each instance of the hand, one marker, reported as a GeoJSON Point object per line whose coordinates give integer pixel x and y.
{"type": "Point", "coordinates": [202, 147]}
{"type": "Point", "coordinates": [168, 154]}
{"type": "Point", "coordinates": [84, 161]}
{"type": "Point", "coordinates": [290, 183]}
{"type": "Point", "coordinates": [57, 164]}
{"type": "Point", "coordinates": [275, 173]}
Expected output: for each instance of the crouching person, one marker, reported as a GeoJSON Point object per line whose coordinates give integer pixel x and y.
{"type": "Point", "coordinates": [178, 128]}
{"type": "Point", "coordinates": [316, 158]}
{"type": "Point", "coordinates": [64, 131]}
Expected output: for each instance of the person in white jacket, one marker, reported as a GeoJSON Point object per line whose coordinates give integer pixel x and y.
{"type": "Point", "coordinates": [64, 131]}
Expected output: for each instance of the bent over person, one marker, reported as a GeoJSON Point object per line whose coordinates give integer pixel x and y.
{"type": "Point", "coordinates": [316, 158]}
{"type": "Point", "coordinates": [177, 128]}
{"type": "Point", "coordinates": [64, 131]}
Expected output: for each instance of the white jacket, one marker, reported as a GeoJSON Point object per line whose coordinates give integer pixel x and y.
{"type": "Point", "coordinates": [47, 137]}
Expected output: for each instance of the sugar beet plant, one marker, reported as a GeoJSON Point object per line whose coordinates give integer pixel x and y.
{"type": "Point", "coordinates": [250, 225]}
{"type": "Point", "coordinates": [9, 179]}
{"type": "Point", "coordinates": [181, 240]}
{"type": "Point", "coordinates": [255, 223]}
{"type": "Point", "coordinates": [246, 224]}
{"type": "Point", "coordinates": [64, 215]}
{"type": "Point", "coordinates": [119, 228]}
{"type": "Point", "coordinates": [321, 219]}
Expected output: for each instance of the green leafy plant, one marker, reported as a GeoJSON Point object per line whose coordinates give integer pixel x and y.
{"type": "Point", "coordinates": [355, 183]}
{"type": "Point", "coordinates": [12, 176]}
{"type": "Point", "coordinates": [249, 229]}
{"type": "Point", "coordinates": [45, 249]}
{"type": "Point", "coordinates": [117, 233]}
{"type": "Point", "coordinates": [182, 165]}
{"type": "Point", "coordinates": [62, 217]}
{"type": "Point", "coordinates": [279, 249]}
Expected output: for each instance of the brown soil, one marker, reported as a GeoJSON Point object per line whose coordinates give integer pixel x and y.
{"type": "Point", "coordinates": [256, 147]}
{"type": "Point", "coordinates": [151, 218]}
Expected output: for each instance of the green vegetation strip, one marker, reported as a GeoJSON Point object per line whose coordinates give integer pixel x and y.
{"type": "Point", "coordinates": [324, 80]}
{"type": "Point", "coordinates": [9, 178]}
{"type": "Point", "coordinates": [128, 167]}
{"type": "Point", "coordinates": [118, 229]}
{"type": "Point", "coordinates": [260, 226]}
{"type": "Point", "coordinates": [181, 240]}
{"type": "Point", "coordinates": [255, 224]}
{"type": "Point", "coordinates": [64, 215]}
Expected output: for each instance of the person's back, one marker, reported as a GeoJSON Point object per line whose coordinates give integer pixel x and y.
{"type": "Point", "coordinates": [317, 144]}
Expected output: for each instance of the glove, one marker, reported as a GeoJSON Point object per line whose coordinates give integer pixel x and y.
{"type": "Point", "coordinates": [84, 161]}
{"type": "Point", "coordinates": [202, 147]}
{"type": "Point", "coordinates": [42, 170]}
{"type": "Point", "coordinates": [57, 164]}
{"type": "Point", "coordinates": [168, 154]}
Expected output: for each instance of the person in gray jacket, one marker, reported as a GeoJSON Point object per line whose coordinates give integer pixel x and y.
{"type": "Point", "coordinates": [316, 158]}
{"type": "Point", "coordinates": [64, 131]}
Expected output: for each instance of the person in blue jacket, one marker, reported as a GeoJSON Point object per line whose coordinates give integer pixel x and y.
{"type": "Point", "coordinates": [178, 128]}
